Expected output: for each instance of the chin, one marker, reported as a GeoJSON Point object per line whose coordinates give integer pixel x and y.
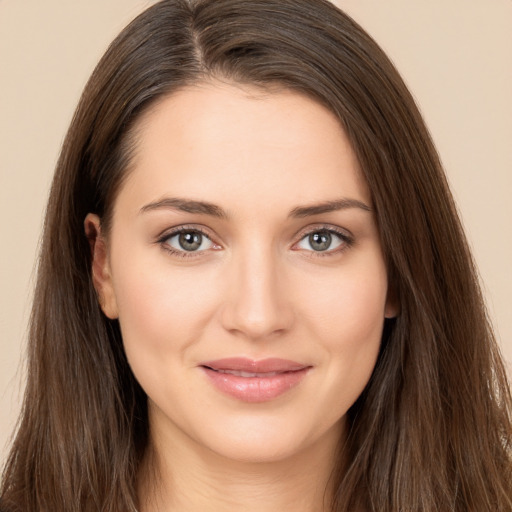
{"type": "Point", "coordinates": [254, 440]}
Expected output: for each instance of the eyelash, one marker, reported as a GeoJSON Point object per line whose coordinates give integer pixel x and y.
{"type": "Point", "coordinates": [347, 241]}
{"type": "Point", "coordinates": [163, 239]}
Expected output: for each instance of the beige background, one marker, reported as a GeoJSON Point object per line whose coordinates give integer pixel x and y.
{"type": "Point", "coordinates": [456, 56]}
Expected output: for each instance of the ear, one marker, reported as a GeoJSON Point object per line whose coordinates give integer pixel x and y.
{"type": "Point", "coordinates": [101, 273]}
{"type": "Point", "coordinates": [392, 307]}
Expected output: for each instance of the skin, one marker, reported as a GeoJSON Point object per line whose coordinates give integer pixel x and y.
{"type": "Point", "coordinates": [256, 288]}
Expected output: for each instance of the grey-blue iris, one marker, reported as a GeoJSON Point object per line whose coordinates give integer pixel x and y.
{"type": "Point", "coordinates": [320, 241]}
{"type": "Point", "coordinates": [190, 241]}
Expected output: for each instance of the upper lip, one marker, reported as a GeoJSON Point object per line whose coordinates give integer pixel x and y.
{"type": "Point", "coordinates": [243, 364]}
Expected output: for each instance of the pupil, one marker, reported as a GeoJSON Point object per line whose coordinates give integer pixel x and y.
{"type": "Point", "coordinates": [320, 241]}
{"type": "Point", "coordinates": [190, 241]}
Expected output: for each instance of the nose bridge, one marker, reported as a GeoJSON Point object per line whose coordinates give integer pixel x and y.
{"type": "Point", "coordinates": [257, 304]}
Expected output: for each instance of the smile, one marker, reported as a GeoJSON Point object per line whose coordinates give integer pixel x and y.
{"type": "Point", "coordinates": [247, 374]}
{"type": "Point", "coordinates": [254, 381]}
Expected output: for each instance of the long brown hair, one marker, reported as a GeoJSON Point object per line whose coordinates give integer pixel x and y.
{"type": "Point", "coordinates": [432, 430]}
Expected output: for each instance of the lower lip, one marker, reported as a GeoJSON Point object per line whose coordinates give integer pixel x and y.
{"type": "Point", "coordinates": [255, 389]}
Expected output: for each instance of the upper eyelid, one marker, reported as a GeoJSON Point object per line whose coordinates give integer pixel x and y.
{"type": "Point", "coordinates": [323, 227]}
{"type": "Point", "coordinates": [167, 233]}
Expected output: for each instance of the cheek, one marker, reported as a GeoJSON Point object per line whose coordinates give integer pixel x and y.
{"type": "Point", "coordinates": [346, 317]}
{"type": "Point", "coordinates": [162, 311]}
{"type": "Point", "coordinates": [347, 308]}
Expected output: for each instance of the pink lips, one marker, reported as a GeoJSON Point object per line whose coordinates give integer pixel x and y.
{"type": "Point", "coordinates": [254, 381]}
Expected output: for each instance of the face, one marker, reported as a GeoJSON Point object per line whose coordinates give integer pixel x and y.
{"type": "Point", "coordinates": [244, 266]}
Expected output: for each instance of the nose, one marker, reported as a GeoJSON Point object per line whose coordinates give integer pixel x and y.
{"type": "Point", "coordinates": [258, 303]}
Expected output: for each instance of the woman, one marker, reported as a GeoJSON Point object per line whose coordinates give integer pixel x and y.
{"type": "Point", "coordinates": [254, 291]}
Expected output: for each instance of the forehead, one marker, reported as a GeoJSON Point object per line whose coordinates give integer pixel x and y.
{"type": "Point", "coordinates": [242, 146]}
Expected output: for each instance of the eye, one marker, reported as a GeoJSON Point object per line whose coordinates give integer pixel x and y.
{"type": "Point", "coordinates": [190, 240]}
{"type": "Point", "coordinates": [323, 240]}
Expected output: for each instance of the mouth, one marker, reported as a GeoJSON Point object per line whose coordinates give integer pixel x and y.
{"type": "Point", "coordinates": [246, 374]}
{"type": "Point", "coordinates": [254, 381]}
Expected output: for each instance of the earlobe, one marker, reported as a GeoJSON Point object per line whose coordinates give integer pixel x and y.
{"type": "Point", "coordinates": [100, 267]}
{"type": "Point", "coordinates": [392, 307]}
{"type": "Point", "coordinates": [391, 310]}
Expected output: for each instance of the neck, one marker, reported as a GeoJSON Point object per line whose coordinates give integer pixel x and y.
{"type": "Point", "coordinates": [180, 476]}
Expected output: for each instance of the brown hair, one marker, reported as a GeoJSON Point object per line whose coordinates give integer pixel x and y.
{"type": "Point", "coordinates": [432, 430]}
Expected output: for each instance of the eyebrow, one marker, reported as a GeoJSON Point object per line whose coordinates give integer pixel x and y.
{"type": "Point", "coordinates": [186, 205]}
{"type": "Point", "coordinates": [205, 208]}
{"type": "Point", "coordinates": [328, 206]}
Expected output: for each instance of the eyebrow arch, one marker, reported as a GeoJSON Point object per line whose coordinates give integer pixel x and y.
{"type": "Point", "coordinates": [205, 208]}
{"type": "Point", "coordinates": [328, 206]}
{"type": "Point", "coordinates": [186, 205]}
